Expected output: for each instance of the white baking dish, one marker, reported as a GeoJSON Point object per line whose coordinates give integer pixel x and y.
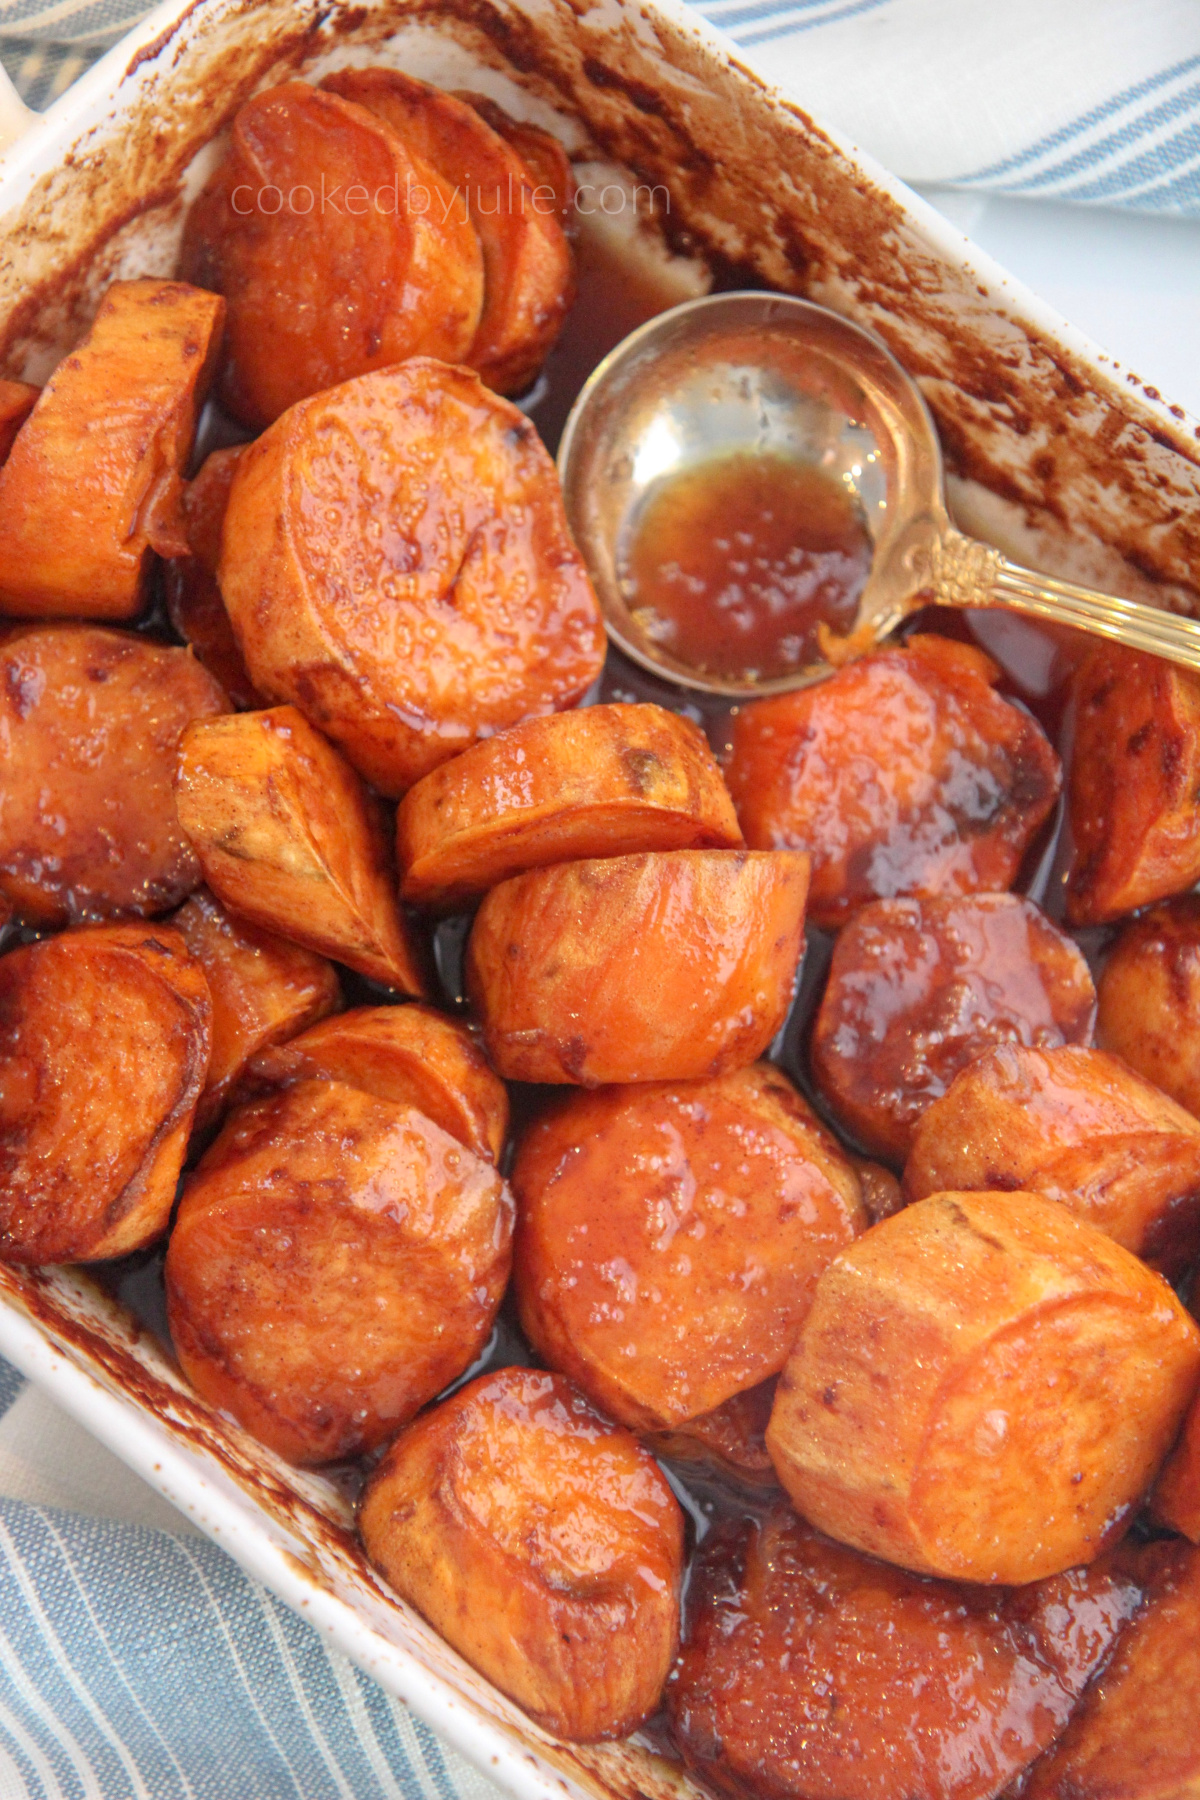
{"type": "Point", "coordinates": [1056, 454]}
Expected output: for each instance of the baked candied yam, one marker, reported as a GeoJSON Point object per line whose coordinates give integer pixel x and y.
{"type": "Point", "coordinates": [528, 277]}
{"type": "Point", "coordinates": [1135, 774]}
{"type": "Point", "coordinates": [904, 773]}
{"type": "Point", "coordinates": [809, 1672]}
{"type": "Point", "coordinates": [17, 401]}
{"type": "Point", "coordinates": [194, 602]}
{"type": "Point", "coordinates": [1149, 998]}
{"type": "Point", "coordinates": [1079, 1127]}
{"type": "Point", "coordinates": [983, 1389]}
{"type": "Point", "coordinates": [603, 781]}
{"type": "Point", "coordinates": [289, 838]}
{"type": "Point", "coordinates": [546, 162]}
{"type": "Point", "coordinates": [356, 277]}
{"type": "Point", "coordinates": [1176, 1497]}
{"type": "Point", "coordinates": [1133, 1735]}
{"type": "Point", "coordinates": [264, 991]}
{"type": "Point", "coordinates": [542, 1542]}
{"type": "Point", "coordinates": [918, 989]}
{"type": "Point", "coordinates": [92, 485]}
{"type": "Point", "coordinates": [337, 1260]}
{"type": "Point", "coordinates": [671, 966]}
{"type": "Point", "coordinates": [723, 1202]}
{"type": "Point", "coordinates": [730, 1442]}
{"type": "Point", "coordinates": [104, 1043]}
{"type": "Point", "coordinates": [881, 1192]}
{"type": "Point", "coordinates": [90, 722]}
{"type": "Point", "coordinates": [411, 1055]}
{"type": "Point", "coordinates": [397, 563]}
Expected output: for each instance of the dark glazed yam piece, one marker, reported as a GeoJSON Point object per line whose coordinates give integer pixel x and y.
{"type": "Point", "coordinates": [881, 1192]}
{"type": "Point", "coordinates": [670, 1238]}
{"type": "Point", "coordinates": [542, 1542]}
{"type": "Point", "coordinates": [672, 966]}
{"type": "Point", "coordinates": [918, 989]}
{"type": "Point", "coordinates": [104, 1042]}
{"type": "Point", "coordinates": [1149, 998]}
{"type": "Point", "coordinates": [92, 484]}
{"type": "Point", "coordinates": [17, 401]}
{"type": "Point", "coordinates": [290, 839]}
{"type": "Point", "coordinates": [1135, 777]}
{"type": "Point", "coordinates": [1175, 1501]}
{"type": "Point", "coordinates": [397, 563]}
{"type": "Point", "coordinates": [194, 601]}
{"type": "Point", "coordinates": [546, 162]}
{"type": "Point", "coordinates": [90, 723]}
{"type": "Point", "coordinates": [903, 774]}
{"type": "Point", "coordinates": [410, 1055]}
{"type": "Point", "coordinates": [1079, 1127]}
{"type": "Point", "coordinates": [337, 1260]}
{"type": "Point", "coordinates": [264, 990]}
{"type": "Point", "coordinates": [528, 278]}
{"type": "Point", "coordinates": [729, 1442]}
{"type": "Point", "coordinates": [809, 1672]}
{"type": "Point", "coordinates": [360, 279]}
{"type": "Point", "coordinates": [603, 781]}
{"type": "Point", "coordinates": [983, 1389]}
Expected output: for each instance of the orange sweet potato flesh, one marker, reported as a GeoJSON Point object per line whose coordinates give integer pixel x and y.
{"type": "Point", "coordinates": [104, 1042]}
{"type": "Point", "coordinates": [264, 991]}
{"type": "Point", "coordinates": [397, 564]}
{"type": "Point", "coordinates": [809, 1672]}
{"type": "Point", "coordinates": [918, 988]}
{"type": "Point", "coordinates": [904, 773]}
{"type": "Point", "coordinates": [313, 230]}
{"type": "Point", "coordinates": [1149, 998]}
{"type": "Point", "coordinates": [410, 1055]}
{"type": "Point", "coordinates": [672, 966]}
{"type": "Point", "coordinates": [90, 722]}
{"type": "Point", "coordinates": [603, 781]}
{"type": "Point", "coordinates": [17, 399]}
{"type": "Point", "coordinates": [528, 280]}
{"type": "Point", "coordinates": [1176, 1497]}
{"type": "Point", "coordinates": [545, 160]}
{"type": "Point", "coordinates": [290, 839]}
{"type": "Point", "coordinates": [1079, 1127]}
{"type": "Point", "coordinates": [542, 1543]}
{"type": "Point", "coordinates": [337, 1260]}
{"type": "Point", "coordinates": [92, 484]}
{"type": "Point", "coordinates": [1135, 773]}
{"type": "Point", "coordinates": [194, 602]}
{"type": "Point", "coordinates": [983, 1389]}
{"type": "Point", "coordinates": [723, 1202]}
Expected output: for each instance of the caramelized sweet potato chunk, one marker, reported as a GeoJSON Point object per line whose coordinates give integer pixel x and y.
{"type": "Point", "coordinates": [545, 160]}
{"type": "Point", "coordinates": [410, 1055]}
{"type": "Point", "coordinates": [902, 774]}
{"type": "Point", "coordinates": [541, 1542]}
{"type": "Point", "coordinates": [983, 1389]}
{"type": "Point", "coordinates": [723, 1202]}
{"type": "Point", "coordinates": [336, 1261]}
{"type": "Point", "coordinates": [604, 781]}
{"type": "Point", "coordinates": [729, 1441]}
{"type": "Point", "coordinates": [1135, 775]}
{"type": "Point", "coordinates": [290, 839]}
{"type": "Point", "coordinates": [92, 484]}
{"type": "Point", "coordinates": [194, 601]}
{"type": "Point", "coordinates": [918, 988]}
{"type": "Point", "coordinates": [1176, 1498]}
{"type": "Point", "coordinates": [17, 400]}
{"type": "Point", "coordinates": [671, 966]}
{"type": "Point", "coordinates": [264, 990]}
{"type": "Point", "coordinates": [397, 563]}
{"type": "Point", "coordinates": [337, 249]}
{"type": "Point", "coordinates": [90, 722]}
{"type": "Point", "coordinates": [1149, 998]}
{"type": "Point", "coordinates": [528, 280]}
{"type": "Point", "coordinates": [104, 1042]}
{"type": "Point", "coordinates": [1079, 1127]}
{"type": "Point", "coordinates": [809, 1672]}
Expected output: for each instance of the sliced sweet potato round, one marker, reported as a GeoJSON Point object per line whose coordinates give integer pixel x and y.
{"type": "Point", "coordinates": [104, 1043]}
{"type": "Point", "coordinates": [528, 279]}
{"type": "Point", "coordinates": [1149, 998]}
{"type": "Point", "coordinates": [604, 781]}
{"type": "Point", "coordinates": [90, 722]}
{"type": "Point", "coordinates": [809, 1672]}
{"type": "Point", "coordinates": [672, 966]}
{"type": "Point", "coordinates": [904, 773]}
{"type": "Point", "coordinates": [723, 1202]}
{"type": "Point", "coordinates": [411, 1055]}
{"type": "Point", "coordinates": [542, 1543]}
{"type": "Point", "coordinates": [17, 400]}
{"type": "Point", "coordinates": [546, 162]}
{"type": "Point", "coordinates": [92, 484]}
{"type": "Point", "coordinates": [397, 563]}
{"type": "Point", "coordinates": [983, 1389]}
{"type": "Point", "coordinates": [290, 839]}
{"type": "Point", "coordinates": [1176, 1497]}
{"type": "Point", "coordinates": [337, 249]}
{"type": "Point", "coordinates": [1079, 1127]}
{"type": "Point", "coordinates": [918, 988]}
{"type": "Point", "coordinates": [337, 1260]}
{"type": "Point", "coordinates": [194, 602]}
